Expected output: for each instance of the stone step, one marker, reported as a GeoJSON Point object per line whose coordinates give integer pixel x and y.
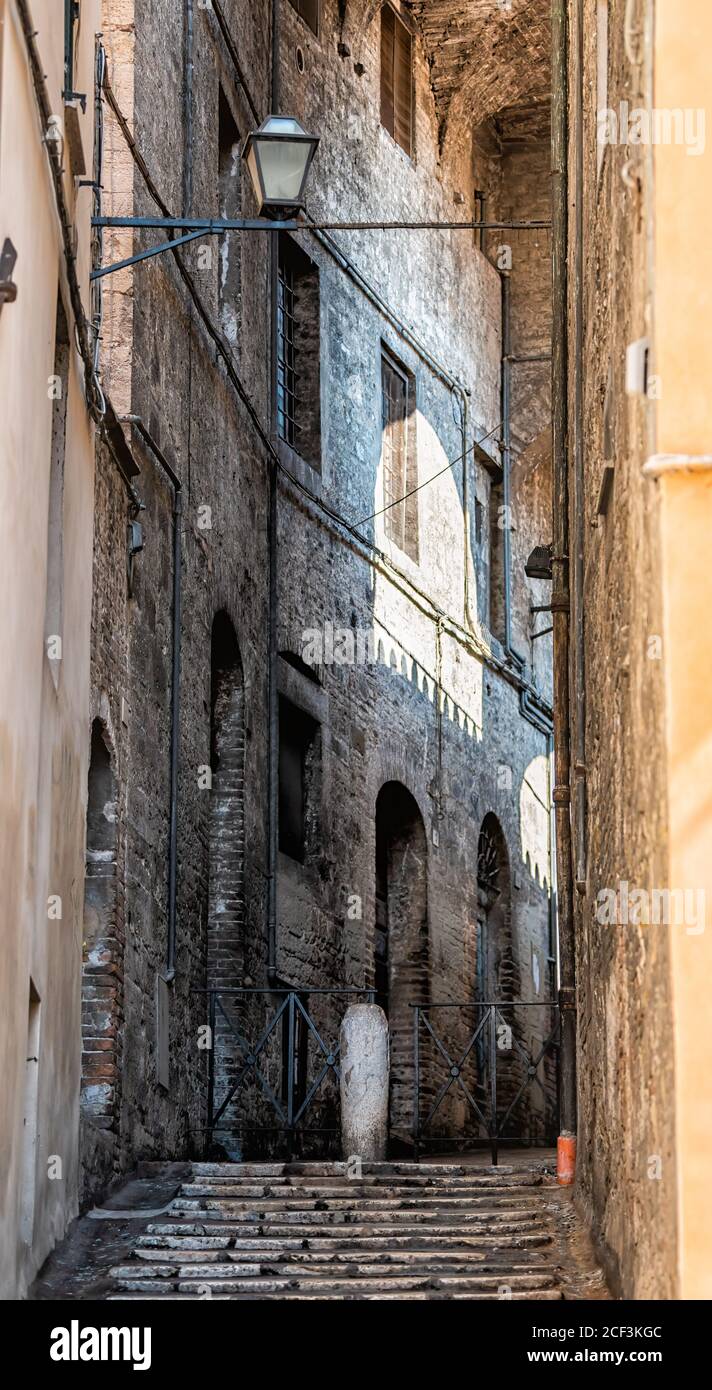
{"type": "Point", "coordinates": [316, 1168]}
{"type": "Point", "coordinates": [278, 1254]}
{"type": "Point", "coordinates": [471, 1296]}
{"type": "Point", "coordinates": [303, 1191]}
{"type": "Point", "coordinates": [482, 1235]}
{"type": "Point", "coordinates": [308, 1238]}
{"type": "Point", "coordinates": [433, 1202]}
{"type": "Point", "coordinates": [306, 1231]}
{"type": "Point", "coordinates": [278, 1238]}
{"type": "Point", "coordinates": [240, 1280]}
{"type": "Point", "coordinates": [300, 1216]}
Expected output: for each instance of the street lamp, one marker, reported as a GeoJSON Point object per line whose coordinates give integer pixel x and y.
{"type": "Point", "coordinates": [278, 156]}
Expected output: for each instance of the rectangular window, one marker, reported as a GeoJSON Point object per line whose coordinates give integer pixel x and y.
{"type": "Point", "coordinates": [496, 559]}
{"type": "Point", "coordinates": [397, 78]}
{"type": "Point", "coordinates": [298, 365]}
{"type": "Point", "coordinates": [399, 455]}
{"type": "Point", "coordinates": [297, 755]}
{"type": "Point", "coordinates": [71, 15]}
{"type": "Point", "coordinates": [308, 10]}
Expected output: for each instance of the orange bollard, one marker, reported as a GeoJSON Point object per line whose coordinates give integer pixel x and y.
{"type": "Point", "coordinates": [566, 1159]}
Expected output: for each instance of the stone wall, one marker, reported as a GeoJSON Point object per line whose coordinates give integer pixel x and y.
{"type": "Point", "coordinates": [626, 1170]}
{"type": "Point", "coordinates": [431, 703]}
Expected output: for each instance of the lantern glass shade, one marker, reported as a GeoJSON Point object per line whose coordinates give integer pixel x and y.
{"type": "Point", "coordinates": [278, 156]}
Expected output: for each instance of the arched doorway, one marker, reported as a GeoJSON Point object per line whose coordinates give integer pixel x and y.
{"type": "Point", "coordinates": [496, 970]}
{"type": "Point", "coordinates": [102, 974]}
{"type": "Point", "coordinates": [226, 843]}
{"type": "Point", "coordinates": [401, 957]}
{"type": "Point", "coordinates": [498, 979]}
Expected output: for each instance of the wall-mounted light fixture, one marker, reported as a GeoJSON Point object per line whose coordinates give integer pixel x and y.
{"type": "Point", "coordinates": [278, 157]}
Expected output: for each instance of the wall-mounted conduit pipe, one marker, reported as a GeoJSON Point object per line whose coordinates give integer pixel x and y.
{"type": "Point", "coordinates": [560, 598]}
{"type": "Point", "coordinates": [188, 45]}
{"type": "Point", "coordinates": [273, 525]}
{"type": "Point", "coordinates": [579, 767]}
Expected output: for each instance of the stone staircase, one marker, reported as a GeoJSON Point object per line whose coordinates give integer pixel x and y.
{"type": "Point", "coordinates": [309, 1231]}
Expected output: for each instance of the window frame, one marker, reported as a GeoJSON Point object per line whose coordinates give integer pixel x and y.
{"type": "Point", "coordinates": [297, 7]}
{"type": "Point", "coordinates": [405, 28]}
{"type": "Point", "coordinates": [297, 385]}
{"type": "Point", "coordinates": [401, 521]}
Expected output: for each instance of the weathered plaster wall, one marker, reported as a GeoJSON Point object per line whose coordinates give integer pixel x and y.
{"type": "Point", "coordinates": [626, 1164]}
{"type": "Point", "coordinates": [43, 730]}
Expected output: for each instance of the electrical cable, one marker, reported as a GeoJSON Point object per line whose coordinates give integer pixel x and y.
{"type": "Point", "coordinates": [94, 395]}
{"type": "Point", "coordinates": [460, 459]}
{"type": "Point", "coordinates": [470, 640]}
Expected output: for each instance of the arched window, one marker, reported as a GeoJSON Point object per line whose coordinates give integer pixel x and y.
{"type": "Point", "coordinates": [401, 964]}
{"type": "Point", "coordinates": [102, 954]}
{"type": "Point", "coordinates": [497, 972]}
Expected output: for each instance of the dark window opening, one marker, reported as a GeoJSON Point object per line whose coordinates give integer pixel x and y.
{"type": "Point", "coordinates": [230, 204]}
{"type": "Point", "coordinates": [399, 456]}
{"type": "Point", "coordinates": [308, 10]}
{"type": "Point", "coordinates": [298, 367]}
{"type": "Point", "coordinates": [397, 79]}
{"type": "Point", "coordinates": [297, 754]}
{"type": "Point", "coordinates": [497, 519]}
{"type": "Point", "coordinates": [71, 17]}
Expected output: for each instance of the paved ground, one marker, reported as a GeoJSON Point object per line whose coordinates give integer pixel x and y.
{"type": "Point", "coordinates": [445, 1229]}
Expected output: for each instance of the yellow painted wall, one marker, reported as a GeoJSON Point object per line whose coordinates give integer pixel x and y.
{"type": "Point", "coordinates": [683, 356]}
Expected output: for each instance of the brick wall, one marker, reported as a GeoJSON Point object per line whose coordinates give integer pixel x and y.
{"type": "Point", "coordinates": [433, 709]}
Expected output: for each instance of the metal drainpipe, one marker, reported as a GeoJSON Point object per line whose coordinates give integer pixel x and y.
{"type": "Point", "coordinates": [188, 35]}
{"type": "Point", "coordinates": [579, 769]}
{"type": "Point", "coordinates": [506, 454]}
{"type": "Point", "coordinates": [137, 422]}
{"type": "Point", "coordinates": [506, 401]}
{"type": "Point", "coordinates": [272, 691]}
{"type": "Point", "coordinates": [566, 1148]}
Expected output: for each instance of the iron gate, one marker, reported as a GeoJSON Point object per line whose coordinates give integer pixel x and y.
{"type": "Point", "coordinates": [470, 1044]}
{"type": "Point", "coordinates": [288, 1070]}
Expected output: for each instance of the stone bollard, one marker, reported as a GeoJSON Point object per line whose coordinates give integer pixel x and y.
{"type": "Point", "coordinates": [364, 1082]}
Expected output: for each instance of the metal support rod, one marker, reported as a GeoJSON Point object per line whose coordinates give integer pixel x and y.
{"type": "Point", "coordinates": [560, 573]}
{"type": "Point", "coordinates": [145, 255]}
{"type": "Point", "coordinates": [416, 1076]}
{"type": "Point", "coordinates": [493, 1081]}
{"type": "Point", "coordinates": [212, 998]}
{"type": "Point", "coordinates": [264, 224]}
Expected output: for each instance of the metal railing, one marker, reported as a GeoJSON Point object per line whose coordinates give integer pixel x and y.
{"type": "Point", "coordinates": [288, 1068]}
{"type": "Point", "coordinates": [472, 1056]}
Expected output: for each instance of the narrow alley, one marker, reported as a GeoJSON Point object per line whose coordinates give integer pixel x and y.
{"type": "Point", "coordinates": [355, 493]}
